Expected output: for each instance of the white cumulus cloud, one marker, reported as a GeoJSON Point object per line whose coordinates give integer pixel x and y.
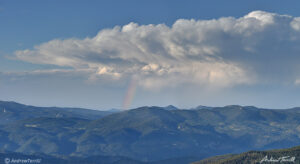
{"type": "Point", "coordinates": [258, 47]}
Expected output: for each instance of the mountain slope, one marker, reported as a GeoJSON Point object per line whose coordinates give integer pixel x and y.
{"type": "Point", "coordinates": [291, 155]}
{"type": "Point", "coordinates": [180, 133]}
{"type": "Point", "coordinates": [154, 133]}
{"type": "Point", "coordinates": [10, 157]}
{"type": "Point", "coordinates": [12, 111]}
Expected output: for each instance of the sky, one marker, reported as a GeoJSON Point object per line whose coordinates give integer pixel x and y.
{"type": "Point", "coordinates": [126, 54]}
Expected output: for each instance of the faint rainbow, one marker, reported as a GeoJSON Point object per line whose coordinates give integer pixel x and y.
{"type": "Point", "coordinates": [130, 93]}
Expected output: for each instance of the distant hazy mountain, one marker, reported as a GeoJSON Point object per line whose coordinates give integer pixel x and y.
{"type": "Point", "coordinates": [170, 107]}
{"type": "Point", "coordinates": [12, 111]}
{"type": "Point", "coordinates": [202, 107]}
{"type": "Point", "coordinates": [291, 155]}
{"type": "Point", "coordinates": [161, 134]}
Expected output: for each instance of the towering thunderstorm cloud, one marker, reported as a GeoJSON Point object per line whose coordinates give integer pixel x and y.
{"type": "Point", "coordinates": [256, 48]}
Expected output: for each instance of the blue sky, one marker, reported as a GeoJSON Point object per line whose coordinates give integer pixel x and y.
{"type": "Point", "coordinates": [252, 79]}
{"type": "Point", "coordinates": [27, 23]}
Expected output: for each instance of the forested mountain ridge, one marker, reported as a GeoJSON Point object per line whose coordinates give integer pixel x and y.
{"type": "Point", "coordinates": [290, 155]}
{"type": "Point", "coordinates": [148, 133]}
